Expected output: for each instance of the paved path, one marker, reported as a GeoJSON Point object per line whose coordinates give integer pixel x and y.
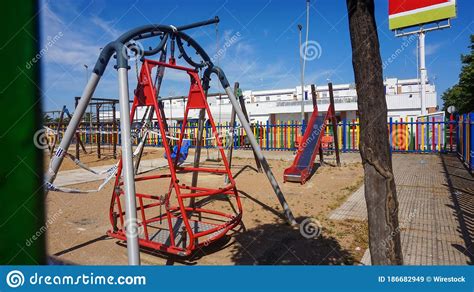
{"type": "Point", "coordinates": [433, 227]}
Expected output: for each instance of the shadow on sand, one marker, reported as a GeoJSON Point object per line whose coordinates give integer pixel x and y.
{"type": "Point", "coordinates": [281, 244]}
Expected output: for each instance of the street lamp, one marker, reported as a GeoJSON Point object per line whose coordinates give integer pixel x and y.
{"type": "Point", "coordinates": [302, 51]}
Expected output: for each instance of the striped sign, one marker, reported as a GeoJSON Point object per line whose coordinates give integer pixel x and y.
{"type": "Point", "coordinates": [405, 13]}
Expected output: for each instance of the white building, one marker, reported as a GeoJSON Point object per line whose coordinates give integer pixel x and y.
{"type": "Point", "coordinates": [403, 100]}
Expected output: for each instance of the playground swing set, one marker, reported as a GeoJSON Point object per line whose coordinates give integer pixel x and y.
{"type": "Point", "coordinates": [184, 221]}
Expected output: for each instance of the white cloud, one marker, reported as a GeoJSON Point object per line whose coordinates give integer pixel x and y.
{"type": "Point", "coordinates": [106, 26]}
{"type": "Point", "coordinates": [431, 49]}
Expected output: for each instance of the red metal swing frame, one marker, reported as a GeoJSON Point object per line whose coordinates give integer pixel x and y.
{"type": "Point", "coordinates": [189, 239]}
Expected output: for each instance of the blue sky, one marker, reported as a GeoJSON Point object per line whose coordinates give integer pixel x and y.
{"type": "Point", "coordinates": [263, 55]}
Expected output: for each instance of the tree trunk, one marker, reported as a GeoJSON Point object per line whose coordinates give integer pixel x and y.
{"type": "Point", "coordinates": [380, 191]}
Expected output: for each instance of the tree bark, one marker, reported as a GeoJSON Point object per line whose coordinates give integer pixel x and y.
{"type": "Point", "coordinates": [380, 190]}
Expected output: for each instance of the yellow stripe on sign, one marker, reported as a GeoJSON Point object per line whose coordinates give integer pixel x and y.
{"type": "Point", "coordinates": [422, 17]}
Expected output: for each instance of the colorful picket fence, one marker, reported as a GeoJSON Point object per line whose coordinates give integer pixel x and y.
{"type": "Point", "coordinates": [430, 135]}
{"type": "Point", "coordinates": [423, 135]}
{"type": "Point", "coordinates": [465, 139]}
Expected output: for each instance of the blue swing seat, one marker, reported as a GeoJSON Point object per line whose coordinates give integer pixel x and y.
{"type": "Point", "coordinates": [183, 153]}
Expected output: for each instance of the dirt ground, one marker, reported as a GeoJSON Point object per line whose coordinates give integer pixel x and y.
{"type": "Point", "coordinates": [78, 222]}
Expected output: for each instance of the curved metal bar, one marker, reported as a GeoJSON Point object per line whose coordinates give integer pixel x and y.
{"type": "Point", "coordinates": [200, 23]}
{"type": "Point", "coordinates": [158, 48]}
{"type": "Point", "coordinates": [106, 53]}
{"type": "Point", "coordinates": [148, 35]}
{"type": "Point", "coordinates": [221, 75]}
{"type": "Point", "coordinates": [148, 31]}
{"type": "Point", "coordinates": [186, 56]}
{"type": "Point", "coordinates": [199, 50]}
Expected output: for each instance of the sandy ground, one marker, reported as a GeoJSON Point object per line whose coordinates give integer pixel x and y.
{"type": "Point", "coordinates": [78, 222]}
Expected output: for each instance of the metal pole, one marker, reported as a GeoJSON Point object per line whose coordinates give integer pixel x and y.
{"type": "Point", "coordinates": [71, 129]}
{"type": "Point", "coordinates": [78, 137]}
{"type": "Point", "coordinates": [300, 27]}
{"type": "Point", "coordinates": [334, 123]}
{"type": "Point", "coordinates": [131, 224]}
{"type": "Point", "coordinates": [145, 121]}
{"type": "Point", "coordinates": [244, 110]}
{"type": "Point", "coordinates": [197, 151]}
{"type": "Point", "coordinates": [423, 73]}
{"type": "Point", "coordinates": [258, 152]}
{"type": "Point", "coordinates": [77, 134]}
{"type": "Point", "coordinates": [58, 128]}
{"type": "Point", "coordinates": [231, 136]}
{"type": "Point", "coordinates": [307, 34]}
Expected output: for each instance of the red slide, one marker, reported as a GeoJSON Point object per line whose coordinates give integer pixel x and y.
{"type": "Point", "coordinates": [302, 166]}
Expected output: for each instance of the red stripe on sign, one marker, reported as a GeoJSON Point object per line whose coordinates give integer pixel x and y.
{"type": "Point", "coordinates": [397, 6]}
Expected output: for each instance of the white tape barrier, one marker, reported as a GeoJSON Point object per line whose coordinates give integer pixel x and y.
{"type": "Point", "coordinates": [87, 132]}
{"type": "Point", "coordinates": [111, 172]}
{"type": "Point", "coordinates": [110, 175]}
